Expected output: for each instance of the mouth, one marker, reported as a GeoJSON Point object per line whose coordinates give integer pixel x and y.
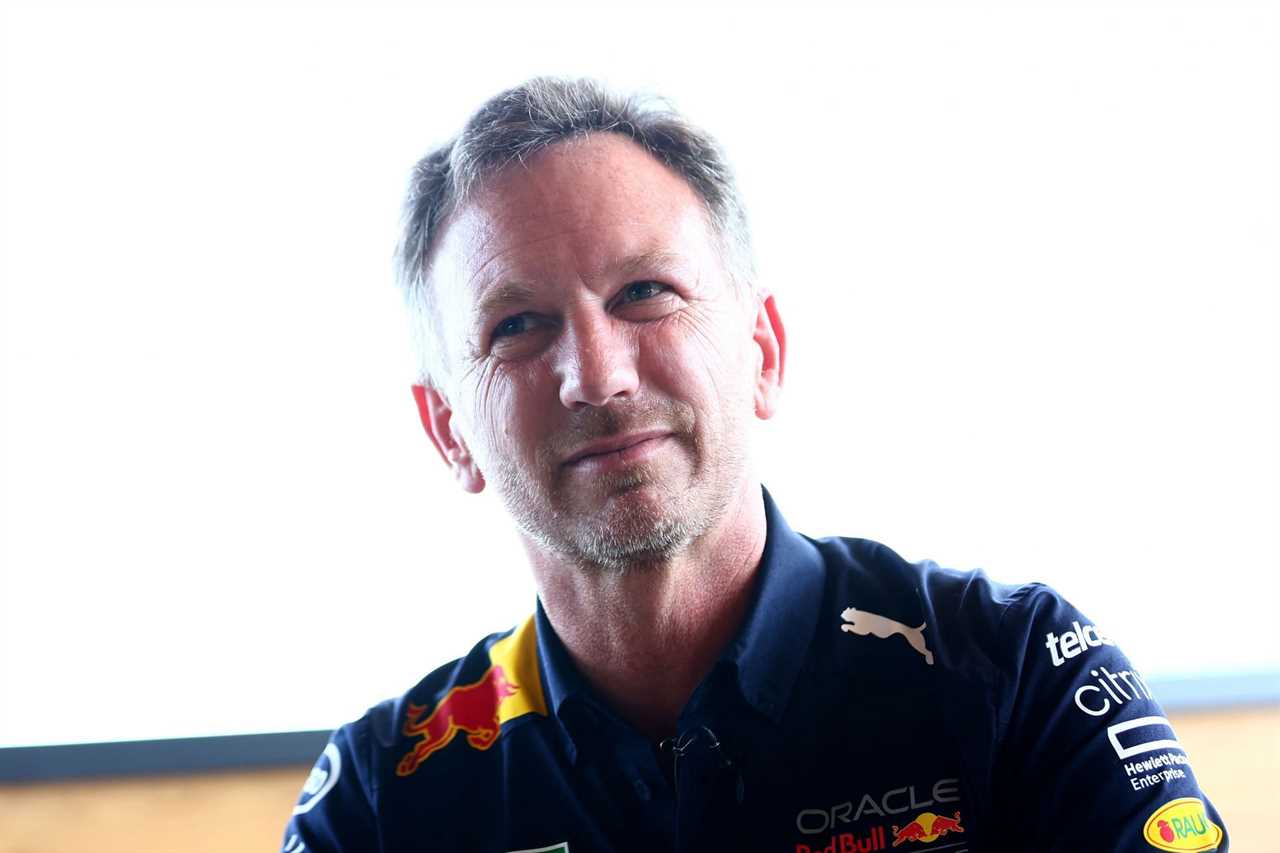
{"type": "Point", "coordinates": [621, 445]}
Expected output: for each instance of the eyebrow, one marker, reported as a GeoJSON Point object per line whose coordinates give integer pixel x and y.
{"type": "Point", "coordinates": [651, 260]}
{"type": "Point", "coordinates": [502, 295]}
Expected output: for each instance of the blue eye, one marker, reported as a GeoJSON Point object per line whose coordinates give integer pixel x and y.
{"type": "Point", "coordinates": [515, 325]}
{"type": "Point", "coordinates": [641, 290]}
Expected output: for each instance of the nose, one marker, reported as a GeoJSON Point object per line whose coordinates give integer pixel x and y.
{"type": "Point", "coordinates": [595, 363]}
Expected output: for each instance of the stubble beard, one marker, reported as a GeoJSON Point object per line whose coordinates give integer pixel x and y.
{"type": "Point", "coordinates": [633, 520]}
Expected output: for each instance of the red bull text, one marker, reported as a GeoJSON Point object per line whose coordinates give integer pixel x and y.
{"type": "Point", "coordinates": [847, 842]}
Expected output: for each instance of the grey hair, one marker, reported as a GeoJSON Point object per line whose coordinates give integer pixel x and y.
{"type": "Point", "coordinates": [514, 125]}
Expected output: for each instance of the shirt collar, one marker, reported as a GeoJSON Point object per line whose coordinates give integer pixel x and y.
{"type": "Point", "coordinates": [771, 646]}
{"type": "Point", "coordinates": [567, 692]}
{"type": "Point", "coordinates": [766, 655]}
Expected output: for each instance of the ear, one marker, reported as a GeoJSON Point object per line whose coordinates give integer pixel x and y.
{"type": "Point", "coordinates": [771, 339]}
{"type": "Point", "coordinates": [437, 420]}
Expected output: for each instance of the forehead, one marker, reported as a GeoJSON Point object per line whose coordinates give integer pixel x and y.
{"type": "Point", "coordinates": [571, 213]}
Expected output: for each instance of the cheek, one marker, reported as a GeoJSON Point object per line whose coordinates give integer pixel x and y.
{"type": "Point", "coordinates": [509, 412]}
{"type": "Point", "coordinates": [702, 363]}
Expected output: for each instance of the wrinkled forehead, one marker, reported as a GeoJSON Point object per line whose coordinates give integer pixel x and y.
{"type": "Point", "coordinates": [577, 209]}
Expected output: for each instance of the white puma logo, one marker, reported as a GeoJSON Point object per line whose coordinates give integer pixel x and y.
{"type": "Point", "coordinates": [864, 623]}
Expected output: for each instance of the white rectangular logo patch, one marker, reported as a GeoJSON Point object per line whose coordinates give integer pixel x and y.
{"type": "Point", "coordinates": [1131, 749]}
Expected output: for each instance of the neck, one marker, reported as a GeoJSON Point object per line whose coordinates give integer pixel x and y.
{"type": "Point", "coordinates": [645, 639]}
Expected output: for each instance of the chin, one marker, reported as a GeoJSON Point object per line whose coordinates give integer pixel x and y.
{"type": "Point", "coordinates": [628, 527]}
{"type": "Point", "coordinates": [633, 545]}
{"type": "Point", "coordinates": [629, 520]}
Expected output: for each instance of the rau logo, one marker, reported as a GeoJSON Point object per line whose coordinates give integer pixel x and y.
{"type": "Point", "coordinates": [1182, 826]}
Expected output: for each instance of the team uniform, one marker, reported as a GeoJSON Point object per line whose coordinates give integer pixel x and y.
{"type": "Point", "coordinates": [867, 704]}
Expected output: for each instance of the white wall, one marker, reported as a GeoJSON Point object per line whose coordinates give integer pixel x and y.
{"type": "Point", "coordinates": [1026, 254]}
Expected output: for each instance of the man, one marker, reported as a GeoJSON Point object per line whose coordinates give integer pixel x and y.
{"type": "Point", "coordinates": [697, 676]}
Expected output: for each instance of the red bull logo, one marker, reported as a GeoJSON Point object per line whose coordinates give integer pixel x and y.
{"type": "Point", "coordinates": [509, 688]}
{"type": "Point", "coordinates": [472, 708]}
{"type": "Point", "coordinates": [927, 827]}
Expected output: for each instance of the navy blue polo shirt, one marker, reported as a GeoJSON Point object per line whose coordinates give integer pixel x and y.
{"type": "Point", "coordinates": [866, 704]}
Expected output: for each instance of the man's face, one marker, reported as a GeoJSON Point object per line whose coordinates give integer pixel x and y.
{"type": "Point", "coordinates": [603, 369]}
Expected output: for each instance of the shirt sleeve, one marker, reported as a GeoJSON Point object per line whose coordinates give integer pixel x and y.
{"type": "Point", "coordinates": [1089, 760]}
{"type": "Point", "coordinates": [334, 812]}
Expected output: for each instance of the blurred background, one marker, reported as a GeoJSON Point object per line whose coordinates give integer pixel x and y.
{"type": "Point", "coordinates": [1026, 253]}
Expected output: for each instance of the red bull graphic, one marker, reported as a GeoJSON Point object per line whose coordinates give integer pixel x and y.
{"type": "Point", "coordinates": [471, 708]}
{"type": "Point", "coordinates": [927, 827]}
{"type": "Point", "coordinates": [510, 688]}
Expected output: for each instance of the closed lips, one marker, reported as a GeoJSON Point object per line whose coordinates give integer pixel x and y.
{"type": "Point", "coordinates": [613, 445]}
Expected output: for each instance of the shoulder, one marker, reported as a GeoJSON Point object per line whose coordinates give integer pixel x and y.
{"type": "Point", "coordinates": [1051, 719]}
{"type": "Point", "coordinates": [875, 566]}
{"type": "Point", "coordinates": [440, 729]}
{"type": "Point", "coordinates": [1026, 640]}
{"type": "Point", "coordinates": [974, 635]}
{"type": "Point", "coordinates": [475, 696]}
{"type": "Point", "coordinates": [964, 611]}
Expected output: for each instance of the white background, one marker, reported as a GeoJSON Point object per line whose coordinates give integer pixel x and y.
{"type": "Point", "coordinates": [1026, 253]}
